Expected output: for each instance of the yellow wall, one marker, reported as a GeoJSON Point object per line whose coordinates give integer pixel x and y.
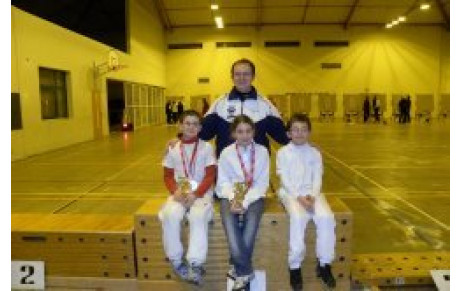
{"type": "Point", "coordinates": [402, 60]}
{"type": "Point", "coordinates": [36, 42]}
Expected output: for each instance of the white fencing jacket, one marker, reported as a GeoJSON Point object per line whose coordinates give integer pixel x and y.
{"type": "Point", "coordinates": [300, 169]}
{"type": "Point", "coordinates": [229, 172]}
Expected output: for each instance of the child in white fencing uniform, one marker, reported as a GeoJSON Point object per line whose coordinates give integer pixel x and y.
{"type": "Point", "coordinates": [300, 168]}
{"type": "Point", "coordinates": [189, 174]}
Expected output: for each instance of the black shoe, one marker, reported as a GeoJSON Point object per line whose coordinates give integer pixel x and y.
{"type": "Point", "coordinates": [295, 277]}
{"type": "Point", "coordinates": [325, 274]}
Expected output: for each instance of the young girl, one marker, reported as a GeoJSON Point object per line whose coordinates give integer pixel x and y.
{"type": "Point", "coordinates": [242, 162]}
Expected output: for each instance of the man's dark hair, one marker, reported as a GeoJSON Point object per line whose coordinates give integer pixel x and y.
{"type": "Point", "coordinates": [244, 61]}
{"type": "Point", "coordinates": [298, 117]}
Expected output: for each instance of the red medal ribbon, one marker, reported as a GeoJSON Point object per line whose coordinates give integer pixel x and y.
{"type": "Point", "coordinates": [248, 177]}
{"type": "Point", "coordinates": [192, 160]}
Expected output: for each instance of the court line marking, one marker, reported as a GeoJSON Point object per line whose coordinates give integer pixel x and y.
{"type": "Point", "coordinates": [105, 181]}
{"type": "Point", "coordinates": [444, 226]}
{"type": "Point", "coordinates": [398, 168]}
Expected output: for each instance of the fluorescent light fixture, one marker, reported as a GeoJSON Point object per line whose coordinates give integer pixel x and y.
{"type": "Point", "coordinates": [394, 22]}
{"type": "Point", "coordinates": [389, 25]}
{"type": "Point", "coordinates": [219, 21]}
{"type": "Point", "coordinates": [214, 7]}
{"type": "Point", "coordinates": [424, 6]}
{"type": "Point", "coordinates": [402, 18]}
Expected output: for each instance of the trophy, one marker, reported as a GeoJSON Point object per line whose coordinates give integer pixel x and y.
{"type": "Point", "coordinates": [184, 186]}
{"type": "Point", "coordinates": [240, 189]}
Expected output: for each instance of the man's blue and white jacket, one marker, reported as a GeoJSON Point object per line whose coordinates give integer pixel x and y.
{"type": "Point", "coordinates": [266, 117]}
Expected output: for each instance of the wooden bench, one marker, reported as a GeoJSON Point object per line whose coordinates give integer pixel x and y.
{"type": "Point", "coordinates": [76, 245]}
{"type": "Point", "coordinates": [270, 252]}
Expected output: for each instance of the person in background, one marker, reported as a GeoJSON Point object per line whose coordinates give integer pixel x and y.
{"type": "Point", "coordinates": [366, 108]}
{"type": "Point", "coordinates": [376, 107]}
{"type": "Point", "coordinates": [408, 105]}
{"type": "Point", "coordinates": [180, 108]}
{"type": "Point", "coordinates": [401, 109]}
{"type": "Point", "coordinates": [205, 107]}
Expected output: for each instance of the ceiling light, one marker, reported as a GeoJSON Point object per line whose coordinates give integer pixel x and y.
{"type": "Point", "coordinates": [395, 22]}
{"type": "Point", "coordinates": [424, 6]}
{"type": "Point", "coordinates": [402, 18]}
{"type": "Point", "coordinates": [389, 25]}
{"type": "Point", "coordinates": [214, 7]}
{"type": "Point", "coordinates": [219, 21]}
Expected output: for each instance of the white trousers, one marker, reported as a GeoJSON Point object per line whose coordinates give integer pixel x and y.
{"type": "Point", "coordinates": [324, 220]}
{"type": "Point", "coordinates": [199, 215]}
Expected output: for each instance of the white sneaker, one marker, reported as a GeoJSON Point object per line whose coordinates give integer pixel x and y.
{"type": "Point", "coordinates": [242, 282]}
{"type": "Point", "coordinates": [231, 273]}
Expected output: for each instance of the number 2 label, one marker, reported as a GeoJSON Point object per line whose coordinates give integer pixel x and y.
{"type": "Point", "coordinates": [29, 271]}
{"type": "Point", "coordinates": [27, 275]}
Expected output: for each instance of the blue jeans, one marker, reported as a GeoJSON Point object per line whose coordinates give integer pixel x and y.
{"type": "Point", "coordinates": [241, 239]}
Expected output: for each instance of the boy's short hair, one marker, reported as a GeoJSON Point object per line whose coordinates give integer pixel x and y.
{"type": "Point", "coordinates": [189, 112]}
{"type": "Point", "coordinates": [298, 117]}
{"type": "Point", "coordinates": [244, 61]}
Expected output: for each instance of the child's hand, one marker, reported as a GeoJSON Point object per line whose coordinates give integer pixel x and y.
{"type": "Point", "coordinates": [236, 207]}
{"type": "Point", "coordinates": [189, 199]}
{"type": "Point", "coordinates": [179, 197]}
{"type": "Point", "coordinates": [307, 202]}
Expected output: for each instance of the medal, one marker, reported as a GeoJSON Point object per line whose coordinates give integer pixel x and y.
{"type": "Point", "coordinates": [248, 177]}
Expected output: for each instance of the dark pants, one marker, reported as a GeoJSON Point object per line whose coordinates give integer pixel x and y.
{"type": "Point", "coordinates": [366, 115]}
{"type": "Point", "coordinates": [376, 114]}
{"type": "Point", "coordinates": [168, 118]}
{"type": "Point", "coordinates": [406, 117]}
{"type": "Point", "coordinates": [241, 239]}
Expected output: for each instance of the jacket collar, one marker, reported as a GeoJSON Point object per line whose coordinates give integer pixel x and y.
{"type": "Point", "coordinates": [236, 95]}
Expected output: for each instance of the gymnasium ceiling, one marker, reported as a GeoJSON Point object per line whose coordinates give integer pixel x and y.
{"type": "Point", "coordinates": [258, 13]}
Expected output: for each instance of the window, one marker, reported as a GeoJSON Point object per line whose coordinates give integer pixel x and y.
{"type": "Point", "coordinates": [16, 119]}
{"type": "Point", "coordinates": [53, 93]}
{"type": "Point", "coordinates": [105, 21]}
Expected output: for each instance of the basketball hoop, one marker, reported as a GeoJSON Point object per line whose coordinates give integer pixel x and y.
{"type": "Point", "coordinates": [113, 61]}
{"type": "Point", "coordinates": [111, 65]}
{"type": "Point", "coordinates": [117, 68]}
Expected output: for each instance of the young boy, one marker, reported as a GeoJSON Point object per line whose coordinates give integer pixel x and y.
{"type": "Point", "coordinates": [300, 168]}
{"type": "Point", "coordinates": [189, 174]}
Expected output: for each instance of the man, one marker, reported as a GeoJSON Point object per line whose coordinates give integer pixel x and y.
{"type": "Point", "coordinates": [243, 99]}
{"type": "Point", "coordinates": [366, 108]}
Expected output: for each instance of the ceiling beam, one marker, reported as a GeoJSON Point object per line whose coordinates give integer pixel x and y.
{"type": "Point", "coordinates": [163, 14]}
{"type": "Point", "coordinates": [350, 14]}
{"type": "Point", "coordinates": [307, 23]}
{"type": "Point", "coordinates": [304, 16]}
{"type": "Point", "coordinates": [259, 14]}
{"type": "Point", "coordinates": [445, 16]}
{"type": "Point", "coordinates": [276, 6]}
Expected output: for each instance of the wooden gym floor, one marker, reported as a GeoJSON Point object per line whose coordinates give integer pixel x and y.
{"type": "Point", "coordinates": [395, 179]}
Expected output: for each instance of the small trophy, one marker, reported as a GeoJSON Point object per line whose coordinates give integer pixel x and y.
{"type": "Point", "coordinates": [240, 189]}
{"type": "Point", "coordinates": [184, 186]}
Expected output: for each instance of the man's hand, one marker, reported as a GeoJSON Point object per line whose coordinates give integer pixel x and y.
{"type": "Point", "coordinates": [236, 207]}
{"type": "Point", "coordinates": [307, 202]}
